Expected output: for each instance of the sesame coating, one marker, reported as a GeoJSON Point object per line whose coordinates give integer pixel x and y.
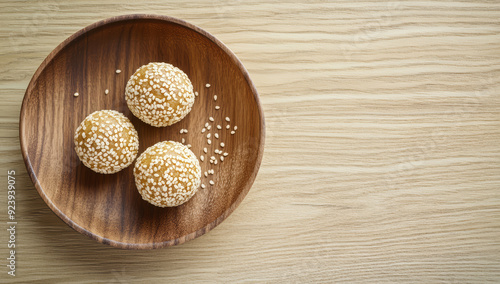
{"type": "Point", "coordinates": [167, 174]}
{"type": "Point", "coordinates": [159, 94]}
{"type": "Point", "coordinates": [106, 141]}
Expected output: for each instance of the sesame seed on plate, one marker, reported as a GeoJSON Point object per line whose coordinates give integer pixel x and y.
{"type": "Point", "coordinates": [227, 119]}
{"type": "Point", "coordinates": [118, 71]}
{"type": "Point", "coordinates": [205, 150]}
{"type": "Point", "coordinates": [225, 154]}
{"type": "Point", "coordinates": [216, 135]}
{"type": "Point", "coordinates": [183, 140]}
{"type": "Point", "coordinates": [211, 182]}
{"type": "Point", "coordinates": [219, 127]}
{"type": "Point", "coordinates": [228, 126]}
{"type": "Point", "coordinates": [217, 107]}
{"type": "Point", "coordinates": [215, 97]}
{"type": "Point", "coordinates": [222, 144]}
{"type": "Point", "coordinates": [196, 93]}
{"type": "Point", "coordinates": [221, 158]}
{"type": "Point", "coordinates": [206, 124]}
{"type": "Point", "coordinates": [211, 119]}
{"type": "Point", "coordinates": [76, 94]}
{"type": "Point", "coordinates": [209, 127]}
{"type": "Point", "coordinates": [235, 127]}
{"type": "Point", "coordinates": [232, 132]}
{"type": "Point", "coordinates": [203, 130]}
{"type": "Point", "coordinates": [202, 185]}
{"type": "Point", "coordinates": [208, 135]}
{"type": "Point", "coordinates": [106, 91]}
{"type": "Point", "coordinates": [209, 141]}
{"type": "Point", "coordinates": [202, 158]}
{"type": "Point", "coordinates": [207, 85]}
{"type": "Point", "coordinates": [215, 162]}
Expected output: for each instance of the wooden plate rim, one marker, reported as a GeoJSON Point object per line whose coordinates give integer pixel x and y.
{"type": "Point", "coordinates": [66, 219]}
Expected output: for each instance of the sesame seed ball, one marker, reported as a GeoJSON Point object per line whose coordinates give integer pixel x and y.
{"type": "Point", "coordinates": [159, 94]}
{"type": "Point", "coordinates": [167, 174]}
{"type": "Point", "coordinates": [106, 141]}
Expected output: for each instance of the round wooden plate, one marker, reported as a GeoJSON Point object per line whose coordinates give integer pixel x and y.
{"type": "Point", "coordinates": [108, 208]}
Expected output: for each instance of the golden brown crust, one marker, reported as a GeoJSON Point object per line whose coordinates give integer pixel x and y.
{"type": "Point", "coordinates": [106, 141]}
{"type": "Point", "coordinates": [167, 174]}
{"type": "Point", "coordinates": [159, 94]}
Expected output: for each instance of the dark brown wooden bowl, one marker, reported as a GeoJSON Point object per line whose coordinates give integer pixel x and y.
{"type": "Point", "coordinates": [108, 208]}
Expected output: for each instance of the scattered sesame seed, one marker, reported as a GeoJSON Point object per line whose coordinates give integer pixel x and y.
{"type": "Point", "coordinates": [205, 150]}
{"type": "Point", "coordinates": [232, 132]}
{"type": "Point", "coordinates": [211, 161]}
{"type": "Point", "coordinates": [211, 119]}
{"type": "Point", "coordinates": [209, 141]}
{"type": "Point", "coordinates": [208, 135]}
{"type": "Point", "coordinates": [219, 127]}
{"type": "Point", "coordinates": [106, 91]}
{"type": "Point", "coordinates": [188, 145]}
{"type": "Point", "coordinates": [215, 162]}
{"type": "Point", "coordinates": [217, 107]}
{"type": "Point", "coordinates": [185, 131]}
{"type": "Point", "coordinates": [202, 158]}
{"type": "Point", "coordinates": [183, 140]}
{"type": "Point", "coordinates": [221, 158]}
{"type": "Point", "coordinates": [182, 131]}
{"type": "Point", "coordinates": [196, 93]}
{"type": "Point", "coordinates": [222, 144]}
{"type": "Point", "coordinates": [203, 130]}
{"type": "Point", "coordinates": [225, 154]}
{"type": "Point", "coordinates": [227, 119]}
{"type": "Point", "coordinates": [118, 71]}
{"type": "Point", "coordinates": [228, 126]}
{"type": "Point", "coordinates": [216, 135]}
{"type": "Point", "coordinates": [215, 97]}
{"type": "Point", "coordinates": [76, 94]}
{"type": "Point", "coordinates": [207, 85]}
{"type": "Point", "coordinates": [235, 127]}
{"type": "Point", "coordinates": [209, 127]}
{"type": "Point", "coordinates": [206, 124]}
{"type": "Point", "coordinates": [211, 182]}
{"type": "Point", "coordinates": [213, 158]}
{"type": "Point", "coordinates": [202, 185]}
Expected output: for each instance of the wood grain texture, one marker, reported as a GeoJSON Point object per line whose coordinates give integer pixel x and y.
{"type": "Point", "coordinates": [106, 207]}
{"type": "Point", "coordinates": [382, 161]}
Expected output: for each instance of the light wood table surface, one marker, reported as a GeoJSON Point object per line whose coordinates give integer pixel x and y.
{"type": "Point", "coordinates": [382, 157]}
